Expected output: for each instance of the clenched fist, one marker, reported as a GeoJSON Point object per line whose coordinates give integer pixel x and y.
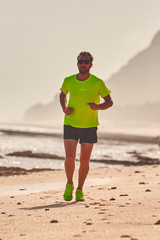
{"type": "Point", "coordinates": [68, 110]}
{"type": "Point", "coordinates": [93, 106]}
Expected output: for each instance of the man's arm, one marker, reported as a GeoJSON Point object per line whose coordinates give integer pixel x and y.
{"type": "Point", "coordinates": [63, 102]}
{"type": "Point", "coordinates": [105, 105]}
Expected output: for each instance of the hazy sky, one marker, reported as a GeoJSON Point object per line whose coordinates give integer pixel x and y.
{"type": "Point", "coordinates": [40, 40]}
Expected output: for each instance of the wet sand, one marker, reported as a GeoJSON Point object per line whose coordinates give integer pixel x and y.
{"type": "Point", "coordinates": [126, 206]}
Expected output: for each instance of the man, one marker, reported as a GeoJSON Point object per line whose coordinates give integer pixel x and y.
{"type": "Point", "coordinates": [81, 119]}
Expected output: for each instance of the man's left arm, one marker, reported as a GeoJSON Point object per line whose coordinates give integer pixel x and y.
{"type": "Point", "coordinates": [105, 105]}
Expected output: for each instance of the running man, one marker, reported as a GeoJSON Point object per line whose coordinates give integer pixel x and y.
{"type": "Point", "coordinates": [81, 119]}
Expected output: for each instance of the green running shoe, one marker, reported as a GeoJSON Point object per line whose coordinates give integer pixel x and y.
{"type": "Point", "coordinates": [79, 195]}
{"type": "Point", "coordinates": [68, 192]}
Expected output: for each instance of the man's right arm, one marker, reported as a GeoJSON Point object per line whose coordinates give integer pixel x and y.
{"type": "Point", "coordinates": [63, 102]}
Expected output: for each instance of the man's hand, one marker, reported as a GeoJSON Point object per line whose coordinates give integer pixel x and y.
{"type": "Point", "coordinates": [68, 111]}
{"type": "Point", "coordinates": [93, 106]}
{"type": "Point", "coordinates": [105, 105]}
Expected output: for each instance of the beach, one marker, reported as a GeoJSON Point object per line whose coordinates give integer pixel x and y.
{"type": "Point", "coordinates": [120, 203]}
{"type": "Point", "coordinates": [121, 190]}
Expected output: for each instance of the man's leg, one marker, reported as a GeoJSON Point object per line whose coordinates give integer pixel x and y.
{"type": "Point", "coordinates": [70, 150]}
{"type": "Point", "coordinates": [86, 149]}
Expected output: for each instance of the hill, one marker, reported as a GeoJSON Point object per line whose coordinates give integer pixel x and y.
{"type": "Point", "coordinates": [138, 81]}
{"type": "Point", "coordinates": [48, 114]}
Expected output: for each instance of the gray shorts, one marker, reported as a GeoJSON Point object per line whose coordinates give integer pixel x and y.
{"type": "Point", "coordinates": [83, 135]}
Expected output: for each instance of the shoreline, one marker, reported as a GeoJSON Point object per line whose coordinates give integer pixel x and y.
{"type": "Point", "coordinates": [101, 135]}
{"type": "Point", "coordinates": [130, 138]}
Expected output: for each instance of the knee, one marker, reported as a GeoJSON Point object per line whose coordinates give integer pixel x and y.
{"type": "Point", "coordinates": [84, 162]}
{"type": "Point", "coordinates": [69, 159]}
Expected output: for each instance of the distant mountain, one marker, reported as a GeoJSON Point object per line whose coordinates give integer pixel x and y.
{"type": "Point", "coordinates": [139, 81]}
{"type": "Point", "coordinates": [44, 113]}
{"type": "Point", "coordinates": [51, 113]}
{"type": "Point", "coordinates": [144, 113]}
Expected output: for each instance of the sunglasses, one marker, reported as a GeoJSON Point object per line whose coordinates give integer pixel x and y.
{"type": "Point", "coordinates": [83, 61]}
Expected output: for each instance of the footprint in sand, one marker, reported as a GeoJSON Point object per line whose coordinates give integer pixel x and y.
{"type": "Point", "coordinates": [104, 219]}
{"type": "Point", "coordinates": [86, 206]}
{"type": "Point", "coordinates": [125, 236]}
{"type": "Point", "coordinates": [88, 222]}
{"type": "Point", "coordinates": [94, 203]}
{"type": "Point", "coordinates": [142, 183]}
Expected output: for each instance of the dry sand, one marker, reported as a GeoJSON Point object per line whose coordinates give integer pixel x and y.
{"type": "Point", "coordinates": [125, 204]}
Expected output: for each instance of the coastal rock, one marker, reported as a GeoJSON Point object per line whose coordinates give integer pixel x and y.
{"type": "Point", "coordinates": [141, 160]}
{"type": "Point", "coordinates": [35, 155]}
{"type": "Point", "coordinates": [11, 171]}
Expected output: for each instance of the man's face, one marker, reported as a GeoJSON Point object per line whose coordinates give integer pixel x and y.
{"type": "Point", "coordinates": [86, 64]}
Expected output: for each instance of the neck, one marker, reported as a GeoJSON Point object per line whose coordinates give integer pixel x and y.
{"type": "Point", "coordinates": [83, 77]}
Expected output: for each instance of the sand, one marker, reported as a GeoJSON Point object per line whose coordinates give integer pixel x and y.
{"type": "Point", "coordinates": [121, 203]}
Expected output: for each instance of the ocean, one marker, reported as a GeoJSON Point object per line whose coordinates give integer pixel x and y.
{"type": "Point", "coordinates": [49, 140]}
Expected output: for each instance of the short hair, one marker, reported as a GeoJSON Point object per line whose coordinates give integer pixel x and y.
{"type": "Point", "coordinates": [85, 54]}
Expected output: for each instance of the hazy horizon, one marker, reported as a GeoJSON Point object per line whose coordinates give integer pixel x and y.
{"type": "Point", "coordinates": [40, 41]}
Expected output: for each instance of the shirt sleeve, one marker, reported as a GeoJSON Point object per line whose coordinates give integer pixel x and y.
{"type": "Point", "coordinates": [103, 90]}
{"type": "Point", "coordinates": [64, 87]}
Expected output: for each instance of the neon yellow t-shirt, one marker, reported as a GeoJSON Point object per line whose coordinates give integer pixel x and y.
{"type": "Point", "coordinates": [81, 93]}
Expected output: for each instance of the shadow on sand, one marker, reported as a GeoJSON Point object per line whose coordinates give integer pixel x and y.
{"type": "Point", "coordinates": [56, 205]}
